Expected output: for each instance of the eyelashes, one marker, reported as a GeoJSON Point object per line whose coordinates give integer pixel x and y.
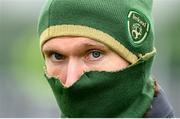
{"type": "Point", "coordinates": [57, 56]}
{"type": "Point", "coordinates": [88, 55]}
{"type": "Point", "coordinates": [94, 55]}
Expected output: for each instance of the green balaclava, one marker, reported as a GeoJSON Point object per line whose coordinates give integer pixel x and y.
{"type": "Point", "coordinates": [126, 27]}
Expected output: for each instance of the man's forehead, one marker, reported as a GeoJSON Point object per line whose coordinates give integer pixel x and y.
{"type": "Point", "coordinates": [74, 43]}
{"type": "Point", "coordinates": [76, 40]}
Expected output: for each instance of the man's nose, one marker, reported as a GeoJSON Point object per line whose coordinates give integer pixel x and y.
{"type": "Point", "coordinates": [73, 72]}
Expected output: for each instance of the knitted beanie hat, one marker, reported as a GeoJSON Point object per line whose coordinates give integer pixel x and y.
{"type": "Point", "coordinates": [125, 26]}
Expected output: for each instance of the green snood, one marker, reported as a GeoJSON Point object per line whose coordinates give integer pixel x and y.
{"type": "Point", "coordinates": [125, 93]}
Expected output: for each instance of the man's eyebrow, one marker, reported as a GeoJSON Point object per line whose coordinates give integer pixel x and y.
{"type": "Point", "coordinates": [49, 50]}
{"type": "Point", "coordinates": [86, 44]}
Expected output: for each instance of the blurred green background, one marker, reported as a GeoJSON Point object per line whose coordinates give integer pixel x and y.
{"type": "Point", "coordinates": [24, 91]}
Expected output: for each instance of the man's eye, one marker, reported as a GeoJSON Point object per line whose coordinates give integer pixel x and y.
{"type": "Point", "coordinates": [57, 56]}
{"type": "Point", "coordinates": [94, 55]}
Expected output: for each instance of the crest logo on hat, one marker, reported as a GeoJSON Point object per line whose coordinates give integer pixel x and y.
{"type": "Point", "coordinates": [138, 27]}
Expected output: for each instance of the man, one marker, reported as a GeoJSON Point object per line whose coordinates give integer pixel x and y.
{"type": "Point", "coordinates": [98, 56]}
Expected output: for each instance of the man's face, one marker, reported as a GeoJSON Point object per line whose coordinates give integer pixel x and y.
{"type": "Point", "coordinates": [69, 57]}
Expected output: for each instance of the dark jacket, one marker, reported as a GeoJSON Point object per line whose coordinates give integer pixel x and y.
{"type": "Point", "coordinates": [160, 108]}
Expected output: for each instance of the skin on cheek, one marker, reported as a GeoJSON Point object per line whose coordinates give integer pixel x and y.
{"type": "Point", "coordinates": [55, 71]}
{"type": "Point", "coordinates": [110, 62]}
{"type": "Point", "coordinates": [113, 66]}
